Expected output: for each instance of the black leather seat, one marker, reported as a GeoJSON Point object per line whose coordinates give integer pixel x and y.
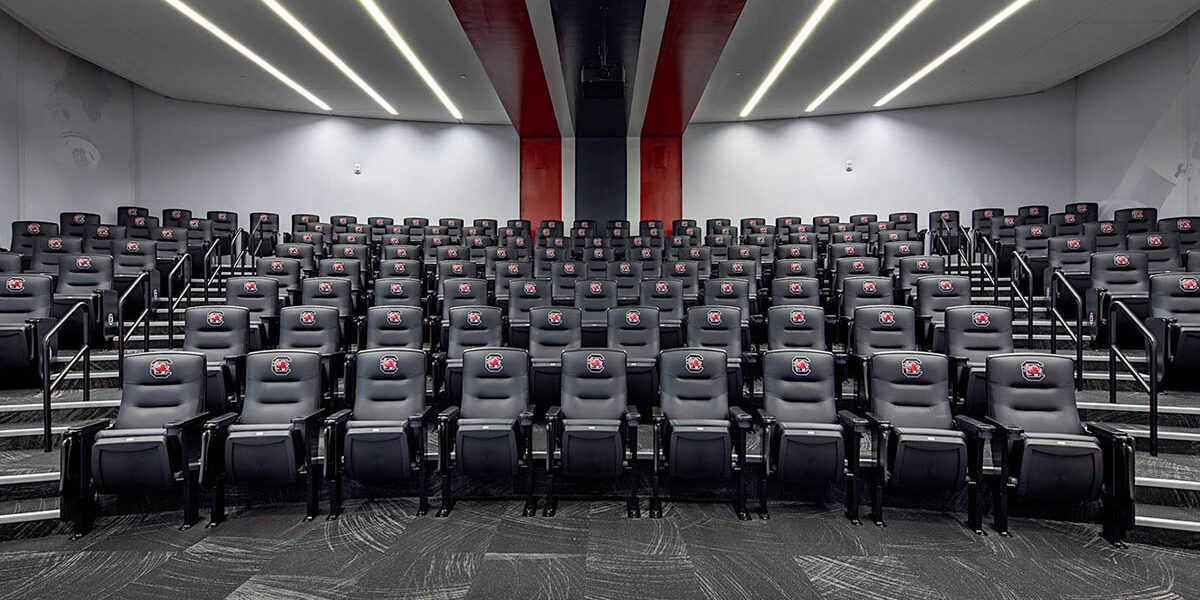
{"type": "Point", "coordinates": [26, 316]}
{"type": "Point", "coordinates": [1044, 452]}
{"type": "Point", "coordinates": [795, 291]}
{"type": "Point", "coordinates": [796, 326]}
{"type": "Point", "coordinates": [696, 431]}
{"type": "Point", "coordinates": [913, 268]}
{"type": "Point", "coordinates": [1122, 276]}
{"type": "Point", "coordinates": [974, 333]}
{"type": "Point", "coordinates": [1162, 250]}
{"type": "Point", "coordinates": [259, 296]}
{"type": "Point", "coordinates": [552, 330]}
{"type": "Point", "coordinates": [285, 271]}
{"type": "Point", "coordinates": [934, 296]}
{"type": "Point", "coordinates": [273, 439]}
{"type": "Point", "coordinates": [667, 296]}
{"type": "Point", "coordinates": [593, 299]}
{"type": "Point", "coordinates": [489, 434]}
{"type": "Point", "coordinates": [381, 438]}
{"type": "Point", "coordinates": [393, 327]}
{"type": "Point", "coordinates": [634, 329]}
{"type": "Point", "coordinates": [468, 327]}
{"type": "Point", "coordinates": [87, 278]}
{"type": "Point", "coordinates": [1175, 322]}
{"type": "Point", "coordinates": [592, 432]}
{"type": "Point", "coordinates": [523, 296]}
{"type": "Point", "coordinates": [718, 327]}
{"type": "Point", "coordinates": [221, 333]}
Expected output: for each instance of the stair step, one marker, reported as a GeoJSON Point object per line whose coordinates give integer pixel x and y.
{"type": "Point", "coordinates": [1174, 434]}
{"type": "Point", "coordinates": [1138, 408]}
{"type": "Point", "coordinates": [24, 511]}
{"type": "Point", "coordinates": [31, 465]}
{"type": "Point", "coordinates": [61, 405]}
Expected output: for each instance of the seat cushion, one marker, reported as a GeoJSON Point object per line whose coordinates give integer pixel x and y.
{"type": "Point", "coordinates": [699, 448]}
{"type": "Point", "coordinates": [926, 459]}
{"type": "Point", "coordinates": [133, 461]}
{"type": "Point", "coordinates": [1058, 467]}
{"type": "Point", "coordinates": [260, 454]}
{"type": "Point", "coordinates": [808, 453]}
{"type": "Point", "coordinates": [487, 447]}
{"type": "Point", "coordinates": [592, 448]}
{"type": "Point", "coordinates": [378, 451]}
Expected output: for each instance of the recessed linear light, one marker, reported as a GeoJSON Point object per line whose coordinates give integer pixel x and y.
{"type": "Point", "coordinates": [408, 53]}
{"type": "Point", "coordinates": [895, 30]}
{"type": "Point", "coordinates": [328, 54]}
{"type": "Point", "coordinates": [787, 55]}
{"type": "Point", "coordinates": [955, 49]}
{"type": "Point", "coordinates": [244, 51]}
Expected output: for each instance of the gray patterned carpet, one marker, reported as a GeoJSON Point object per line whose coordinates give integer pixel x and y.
{"type": "Point", "coordinates": [379, 549]}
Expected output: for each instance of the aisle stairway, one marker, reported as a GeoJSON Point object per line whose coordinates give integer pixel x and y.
{"type": "Point", "coordinates": [1167, 487]}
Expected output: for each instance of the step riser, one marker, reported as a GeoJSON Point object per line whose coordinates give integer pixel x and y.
{"type": "Point", "coordinates": [1139, 418]}
{"type": "Point", "coordinates": [1172, 446]}
{"type": "Point", "coordinates": [1168, 497]}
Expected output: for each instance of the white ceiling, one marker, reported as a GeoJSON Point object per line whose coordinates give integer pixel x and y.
{"type": "Point", "coordinates": [1044, 44]}
{"type": "Point", "coordinates": [153, 45]}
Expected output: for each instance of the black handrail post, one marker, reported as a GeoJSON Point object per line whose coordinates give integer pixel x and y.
{"type": "Point", "coordinates": [1151, 346]}
{"type": "Point", "coordinates": [48, 386]}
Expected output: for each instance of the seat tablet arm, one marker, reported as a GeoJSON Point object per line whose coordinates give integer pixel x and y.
{"type": "Point", "coordinates": [222, 422]}
{"type": "Point", "coordinates": [852, 421]}
{"type": "Point", "coordinates": [767, 418]}
{"type": "Point", "coordinates": [179, 426]}
{"type": "Point", "coordinates": [741, 417]}
{"type": "Point", "coordinates": [449, 415]}
{"type": "Point", "coordinates": [338, 418]}
{"type": "Point", "coordinates": [974, 427]}
{"type": "Point", "coordinates": [526, 416]}
{"type": "Point", "coordinates": [632, 416]}
{"type": "Point", "coordinates": [1105, 432]}
{"type": "Point", "coordinates": [878, 424]}
{"type": "Point", "coordinates": [1010, 432]}
{"type": "Point", "coordinates": [311, 417]}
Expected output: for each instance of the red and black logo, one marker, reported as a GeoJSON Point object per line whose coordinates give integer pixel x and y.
{"type": "Point", "coordinates": [1081, 208]}
{"type": "Point", "coordinates": [1069, 218]}
{"type": "Point", "coordinates": [554, 317]}
{"type": "Point", "coordinates": [595, 363]}
{"type": "Point", "coordinates": [308, 317]}
{"type": "Point", "coordinates": [397, 289]}
{"type": "Point", "coordinates": [1154, 240]}
{"type": "Point", "coordinates": [887, 317]}
{"type": "Point", "coordinates": [911, 367]}
{"type": "Point", "coordinates": [79, 219]}
{"type": "Point", "coordinates": [1137, 214]}
{"type": "Point", "coordinates": [464, 288]}
{"type": "Point", "coordinates": [325, 287]}
{"type": "Point", "coordinates": [1033, 370]}
{"type": "Point", "coordinates": [624, 268]}
{"type": "Point", "coordinates": [1183, 224]}
{"type": "Point", "coordinates": [530, 288]}
{"type": "Point", "coordinates": [801, 365]}
{"type": "Point", "coordinates": [389, 364]}
{"type": "Point", "coordinates": [393, 317]}
{"type": "Point", "coordinates": [1121, 260]}
{"type": "Point", "coordinates": [493, 362]}
{"type": "Point", "coordinates": [84, 263]}
{"type": "Point", "coordinates": [1036, 231]}
{"type": "Point", "coordinates": [981, 318]}
{"type": "Point", "coordinates": [568, 268]}
{"type": "Point", "coordinates": [160, 368]}
{"type": "Point", "coordinates": [102, 231]}
{"type": "Point", "coordinates": [514, 269]}
{"type": "Point", "coordinates": [595, 288]}
{"type": "Point", "coordinates": [714, 317]}
{"type": "Point", "coordinates": [216, 318]}
{"type": "Point", "coordinates": [281, 365]}
{"type": "Point", "coordinates": [167, 234]}
{"type": "Point", "coordinates": [15, 284]}
{"type": "Point", "coordinates": [277, 266]}
{"type": "Point", "coordinates": [633, 317]}
{"type": "Point", "coordinates": [848, 250]}
{"type": "Point", "coordinates": [54, 243]}
{"type": "Point", "coordinates": [923, 264]}
{"type": "Point", "coordinates": [1188, 284]}
{"type": "Point", "coordinates": [474, 317]}
{"type": "Point", "coordinates": [945, 285]}
{"type": "Point", "coordinates": [1073, 243]}
{"type": "Point", "coordinates": [795, 288]}
{"type": "Point", "coordinates": [726, 288]}
{"type": "Point", "coordinates": [694, 363]}
{"type": "Point", "coordinates": [869, 287]}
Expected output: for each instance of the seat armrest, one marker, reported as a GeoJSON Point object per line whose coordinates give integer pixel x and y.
{"type": "Point", "coordinates": [974, 427]}
{"type": "Point", "coordinates": [449, 415]}
{"type": "Point", "coordinates": [311, 417]}
{"type": "Point", "coordinates": [876, 423]}
{"type": "Point", "coordinates": [767, 418]}
{"type": "Point", "coordinates": [553, 413]}
{"type": "Point", "coordinates": [526, 416]}
{"type": "Point", "coordinates": [222, 422]}
{"type": "Point", "coordinates": [419, 420]}
{"type": "Point", "coordinates": [1010, 432]}
{"type": "Point", "coordinates": [632, 417]}
{"type": "Point", "coordinates": [338, 418]}
{"type": "Point", "coordinates": [175, 427]}
{"type": "Point", "coordinates": [656, 414]}
{"type": "Point", "coordinates": [1105, 431]}
{"type": "Point", "coordinates": [852, 421]}
{"type": "Point", "coordinates": [741, 417]}
{"type": "Point", "coordinates": [89, 428]}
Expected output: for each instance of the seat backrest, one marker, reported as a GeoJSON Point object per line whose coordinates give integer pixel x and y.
{"type": "Point", "coordinates": [937, 293]}
{"type": "Point", "coordinates": [1089, 211]}
{"type": "Point", "coordinates": [159, 387]}
{"type": "Point", "coordinates": [456, 269]}
{"type": "Point", "coordinates": [126, 214]}
{"type": "Point", "coordinates": [26, 233]}
{"type": "Point", "coordinates": [103, 239]}
{"type": "Point", "coordinates": [176, 217]}
{"type": "Point", "coordinates": [10, 262]}
{"type": "Point", "coordinates": [1067, 223]}
{"type": "Point", "coordinates": [894, 251]}
{"type": "Point", "coordinates": [394, 327]}
{"type": "Point", "coordinates": [1032, 240]}
{"type": "Point", "coordinates": [910, 389]}
{"type": "Point", "coordinates": [981, 218]}
{"type": "Point", "coordinates": [84, 274]}
{"type": "Point", "coordinates": [1161, 249]}
{"type": "Point", "coordinates": [47, 251]}
{"type": "Point", "coordinates": [396, 267]}
{"type": "Point", "coordinates": [593, 384]}
{"type": "Point", "coordinates": [508, 271]}
{"type": "Point", "coordinates": [1186, 227]}
{"type": "Point", "coordinates": [795, 267]}
{"type": "Point", "coordinates": [854, 266]}
{"type": "Point", "coordinates": [796, 327]}
{"type": "Point", "coordinates": [199, 232]}
{"type": "Point", "coordinates": [217, 331]}
{"type": "Point", "coordinates": [224, 222]}
{"type": "Point", "coordinates": [692, 384]}
{"type": "Point", "coordinates": [1035, 214]}
{"type": "Point", "coordinates": [563, 275]}
{"type": "Point", "coordinates": [593, 299]}
{"type": "Point", "coordinates": [398, 291]}
{"type": "Point", "coordinates": [731, 291]}
{"type": "Point", "coordinates": [940, 220]}
{"type": "Point", "coordinates": [628, 276]}
{"type": "Point", "coordinates": [259, 295]}
{"type": "Point", "coordinates": [1071, 253]}
{"type": "Point", "coordinates": [1109, 235]}
{"type": "Point", "coordinates": [26, 296]}
{"type": "Point", "coordinates": [553, 329]}
{"type": "Point", "coordinates": [784, 225]}
{"type": "Point", "coordinates": [634, 329]}
{"type": "Point", "coordinates": [141, 227]}
{"type": "Point", "coordinates": [75, 224]}
{"type": "Point", "coordinates": [338, 268]}
{"type": "Point", "coordinates": [328, 291]}
{"type": "Point", "coordinates": [715, 327]}
{"type": "Point", "coordinates": [473, 327]}
{"type": "Point", "coordinates": [300, 221]}
{"type": "Point", "coordinates": [687, 272]}
{"type": "Point", "coordinates": [280, 386]}
{"type": "Point", "coordinates": [1121, 272]}
{"type": "Point", "coordinates": [664, 294]}
{"type": "Point", "coordinates": [795, 291]}
{"type": "Point", "coordinates": [313, 328]}
{"type": "Point", "coordinates": [795, 251]}
{"type": "Point", "coordinates": [265, 222]}
{"type": "Point", "coordinates": [169, 241]}
{"type": "Point", "coordinates": [389, 384]}
{"type": "Point", "coordinates": [1003, 227]}
{"type": "Point", "coordinates": [866, 290]}
{"type": "Point", "coordinates": [524, 295]}
{"type": "Point", "coordinates": [845, 250]}
{"type": "Point", "coordinates": [285, 270]}
{"type": "Point", "coordinates": [1137, 220]}
{"type": "Point", "coordinates": [1035, 392]}
{"type": "Point", "coordinates": [495, 383]}
{"type": "Point", "coordinates": [883, 327]}
{"type": "Point", "coordinates": [800, 386]}
{"type": "Point", "coordinates": [1176, 296]}
{"type": "Point", "coordinates": [904, 220]}
{"type": "Point", "coordinates": [466, 291]}
{"type": "Point", "coordinates": [913, 268]}
{"type": "Point", "coordinates": [976, 332]}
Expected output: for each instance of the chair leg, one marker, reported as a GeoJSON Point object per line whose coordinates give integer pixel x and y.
{"type": "Point", "coordinates": [423, 473]}
{"type": "Point", "coordinates": [217, 515]}
{"type": "Point", "coordinates": [191, 499]}
{"type": "Point", "coordinates": [764, 487]}
{"type": "Point", "coordinates": [877, 497]}
{"type": "Point", "coordinates": [447, 499]}
{"type": "Point", "coordinates": [335, 497]}
{"type": "Point", "coordinates": [1000, 509]}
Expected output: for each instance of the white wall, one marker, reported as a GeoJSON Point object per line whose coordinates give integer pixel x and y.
{"type": "Point", "coordinates": [204, 156]}
{"type": "Point", "coordinates": [66, 131]}
{"type": "Point", "coordinates": [1138, 126]}
{"type": "Point", "coordinates": [1005, 153]}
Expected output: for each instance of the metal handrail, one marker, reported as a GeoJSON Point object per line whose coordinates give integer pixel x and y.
{"type": "Point", "coordinates": [217, 272]}
{"type": "Point", "coordinates": [1151, 344]}
{"type": "Point", "coordinates": [172, 301]}
{"type": "Point", "coordinates": [1017, 266]}
{"type": "Point", "coordinates": [241, 256]}
{"type": "Point", "coordinates": [84, 353]}
{"type": "Point", "coordinates": [994, 278]}
{"type": "Point", "coordinates": [143, 319]}
{"type": "Point", "coordinates": [208, 262]}
{"type": "Point", "coordinates": [1057, 282]}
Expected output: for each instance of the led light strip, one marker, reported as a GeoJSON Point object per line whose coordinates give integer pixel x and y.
{"type": "Point", "coordinates": [328, 54]}
{"type": "Point", "coordinates": [246, 52]}
{"type": "Point", "coordinates": [955, 49]}
{"type": "Point", "coordinates": [787, 55]}
{"type": "Point", "coordinates": [408, 53]}
{"type": "Point", "coordinates": [895, 30]}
